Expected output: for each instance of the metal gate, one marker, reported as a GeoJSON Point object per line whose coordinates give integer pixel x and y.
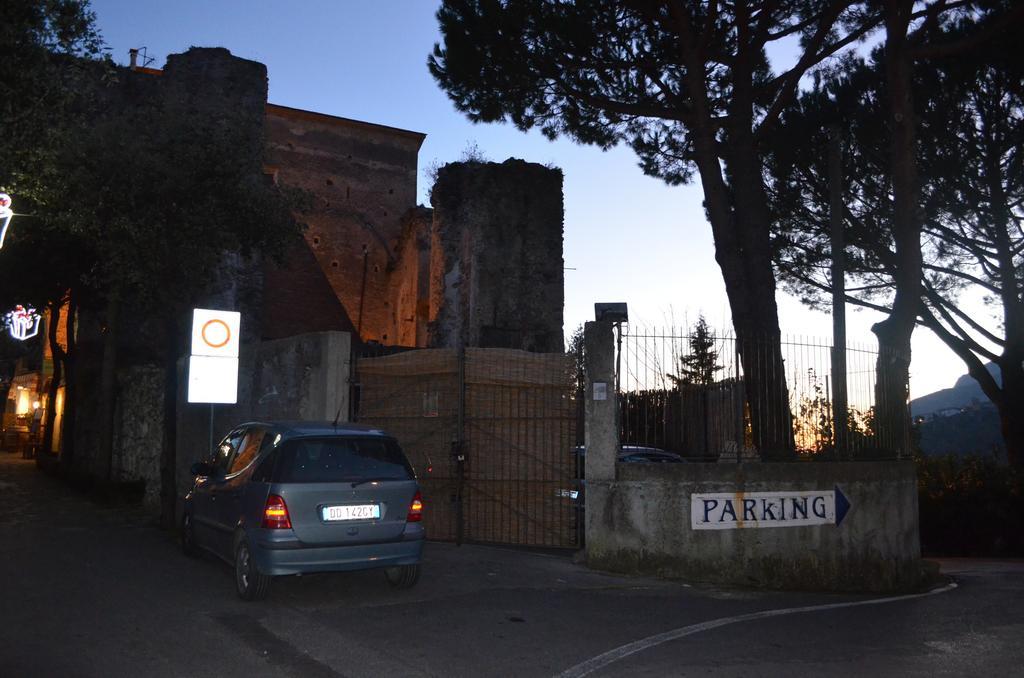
{"type": "Point", "coordinates": [491, 433]}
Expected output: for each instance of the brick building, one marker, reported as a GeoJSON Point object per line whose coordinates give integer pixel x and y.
{"type": "Point", "coordinates": [362, 178]}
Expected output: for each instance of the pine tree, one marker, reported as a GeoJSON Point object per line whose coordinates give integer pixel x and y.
{"type": "Point", "coordinates": [700, 365]}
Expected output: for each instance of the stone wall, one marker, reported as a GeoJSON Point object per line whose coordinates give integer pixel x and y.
{"type": "Point", "coordinates": [138, 430]}
{"type": "Point", "coordinates": [496, 277]}
{"type": "Point", "coordinates": [362, 178]}
{"type": "Point", "coordinates": [216, 89]}
{"type": "Point", "coordinates": [640, 522]}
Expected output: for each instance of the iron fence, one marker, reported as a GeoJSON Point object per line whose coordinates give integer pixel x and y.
{"type": "Point", "coordinates": [691, 394]}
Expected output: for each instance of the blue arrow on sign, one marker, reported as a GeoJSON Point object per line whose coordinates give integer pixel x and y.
{"type": "Point", "coordinates": [842, 506]}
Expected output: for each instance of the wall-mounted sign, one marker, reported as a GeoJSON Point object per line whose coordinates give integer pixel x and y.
{"type": "Point", "coordinates": [22, 322]}
{"type": "Point", "coordinates": [6, 213]}
{"type": "Point", "coordinates": [213, 366]}
{"type": "Point", "coordinates": [740, 510]}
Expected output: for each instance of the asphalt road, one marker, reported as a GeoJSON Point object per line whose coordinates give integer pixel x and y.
{"type": "Point", "coordinates": [93, 591]}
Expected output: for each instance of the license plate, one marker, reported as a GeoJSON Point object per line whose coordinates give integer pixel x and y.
{"type": "Point", "coordinates": [356, 512]}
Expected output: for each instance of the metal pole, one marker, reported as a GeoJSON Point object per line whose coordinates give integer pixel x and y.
{"type": "Point", "coordinates": [211, 427]}
{"type": "Point", "coordinates": [839, 394]}
{"type": "Point", "coordinates": [741, 416]}
{"type": "Point", "coordinates": [460, 450]}
{"type": "Point", "coordinates": [618, 354]}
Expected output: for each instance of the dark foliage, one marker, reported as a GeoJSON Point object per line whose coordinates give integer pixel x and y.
{"type": "Point", "coordinates": [974, 431]}
{"type": "Point", "coordinates": [970, 506]}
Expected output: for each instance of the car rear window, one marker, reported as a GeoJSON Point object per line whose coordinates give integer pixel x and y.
{"type": "Point", "coordinates": [327, 460]}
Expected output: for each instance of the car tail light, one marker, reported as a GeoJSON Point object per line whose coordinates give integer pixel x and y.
{"type": "Point", "coordinates": [275, 515]}
{"type": "Point", "coordinates": [415, 509]}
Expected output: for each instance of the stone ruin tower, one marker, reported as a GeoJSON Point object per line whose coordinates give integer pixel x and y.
{"type": "Point", "coordinates": [496, 267]}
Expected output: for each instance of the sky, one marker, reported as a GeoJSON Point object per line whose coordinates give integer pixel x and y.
{"type": "Point", "coordinates": [628, 237]}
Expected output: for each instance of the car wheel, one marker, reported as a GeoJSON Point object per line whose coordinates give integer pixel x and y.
{"type": "Point", "coordinates": [403, 576]}
{"type": "Point", "coordinates": [188, 537]}
{"type": "Point", "coordinates": [249, 581]}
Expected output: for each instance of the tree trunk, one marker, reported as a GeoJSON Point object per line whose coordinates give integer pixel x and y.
{"type": "Point", "coordinates": [892, 373]}
{"type": "Point", "coordinates": [1011, 407]}
{"type": "Point", "coordinates": [67, 443]}
{"type": "Point", "coordinates": [108, 390]}
{"type": "Point", "coordinates": [750, 286]}
{"type": "Point", "coordinates": [740, 228]}
{"type": "Point", "coordinates": [168, 452]}
{"type": "Point", "coordinates": [58, 364]}
{"type": "Point", "coordinates": [757, 319]}
{"type": "Point", "coordinates": [892, 379]}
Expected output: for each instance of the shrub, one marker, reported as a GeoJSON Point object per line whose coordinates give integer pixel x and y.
{"type": "Point", "coordinates": [970, 506]}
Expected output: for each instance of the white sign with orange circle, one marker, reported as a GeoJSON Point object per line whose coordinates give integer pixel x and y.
{"type": "Point", "coordinates": [215, 333]}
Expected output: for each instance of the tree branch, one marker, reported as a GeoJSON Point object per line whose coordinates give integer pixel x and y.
{"type": "Point", "coordinates": [623, 108]}
{"type": "Point", "coordinates": [974, 364]}
{"type": "Point", "coordinates": [1012, 18]}
{"type": "Point", "coordinates": [945, 307]}
{"type": "Point", "coordinates": [785, 84]}
{"type": "Point", "coordinates": [960, 274]}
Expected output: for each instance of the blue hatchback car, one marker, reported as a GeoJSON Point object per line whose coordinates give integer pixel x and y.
{"type": "Point", "coordinates": [294, 498]}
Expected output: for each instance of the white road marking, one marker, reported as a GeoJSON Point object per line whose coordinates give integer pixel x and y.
{"type": "Point", "coordinates": [602, 660]}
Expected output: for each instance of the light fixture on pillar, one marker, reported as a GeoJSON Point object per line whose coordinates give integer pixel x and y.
{"type": "Point", "coordinates": [615, 312]}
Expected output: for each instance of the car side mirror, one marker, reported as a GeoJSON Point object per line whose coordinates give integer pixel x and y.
{"type": "Point", "coordinates": [201, 468]}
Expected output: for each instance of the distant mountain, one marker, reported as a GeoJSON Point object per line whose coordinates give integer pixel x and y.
{"type": "Point", "coordinates": [959, 420]}
{"type": "Point", "coordinates": [964, 392]}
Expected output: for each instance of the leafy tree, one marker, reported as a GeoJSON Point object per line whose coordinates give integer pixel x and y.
{"type": "Point", "coordinates": [49, 62]}
{"type": "Point", "coordinates": [689, 87]}
{"type": "Point", "coordinates": [971, 126]}
{"type": "Point", "coordinates": [701, 363]}
{"type": "Point", "coordinates": [48, 49]}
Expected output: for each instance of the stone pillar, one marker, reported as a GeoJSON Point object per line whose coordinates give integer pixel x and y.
{"type": "Point", "coordinates": [601, 420]}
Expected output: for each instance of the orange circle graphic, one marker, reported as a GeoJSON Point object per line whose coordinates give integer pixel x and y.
{"type": "Point", "coordinates": [227, 332]}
